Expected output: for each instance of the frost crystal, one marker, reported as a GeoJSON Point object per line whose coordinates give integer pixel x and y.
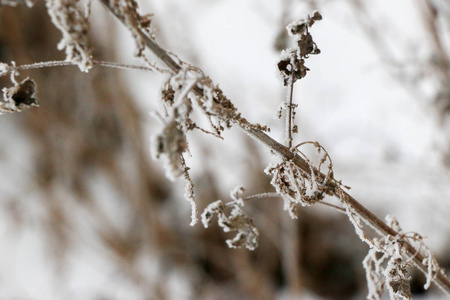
{"type": "Point", "coordinates": [237, 221]}
{"type": "Point", "coordinates": [71, 19]}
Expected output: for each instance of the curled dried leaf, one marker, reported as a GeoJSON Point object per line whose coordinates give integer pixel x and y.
{"type": "Point", "coordinates": [397, 280]}
{"type": "Point", "coordinates": [300, 187]}
{"type": "Point", "coordinates": [19, 97]}
{"type": "Point", "coordinates": [292, 61]}
{"type": "Point", "coordinates": [170, 144]}
{"type": "Point", "coordinates": [236, 220]}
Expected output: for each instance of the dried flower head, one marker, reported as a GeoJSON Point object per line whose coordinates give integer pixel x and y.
{"type": "Point", "coordinates": [237, 220]}
{"type": "Point", "coordinates": [292, 61]}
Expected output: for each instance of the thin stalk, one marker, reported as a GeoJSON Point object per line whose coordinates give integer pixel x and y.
{"type": "Point", "coordinates": [62, 63]}
{"type": "Point", "coordinates": [290, 108]}
{"type": "Point", "coordinates": [441, 280]}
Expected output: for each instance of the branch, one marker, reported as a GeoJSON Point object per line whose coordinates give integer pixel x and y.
{"type": "Point", "coordinates": [441, 280]}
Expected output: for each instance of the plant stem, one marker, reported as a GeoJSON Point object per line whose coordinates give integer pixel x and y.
{"type": "Point", "coordinates": [441, 280]}
{"type": "Point", "coordinates": [63, 63]}
{"type": "Point", "coordinates": [290, 107]}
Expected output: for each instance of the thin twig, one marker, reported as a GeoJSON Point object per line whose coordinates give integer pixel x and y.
{"type": "Point", "coordinates": [263, 196]}
{"type": "Point", "coordinates": [63, 63]}
{"type": "Point", "coordinates": [276, 195]}
{"type": "Point", "coordinates": [335, 207]}
{"type": "Point", "coordinates": [290, 108]}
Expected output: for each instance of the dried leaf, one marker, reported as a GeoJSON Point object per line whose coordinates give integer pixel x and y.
{"type": "Point", "coordinates": [19, 97]}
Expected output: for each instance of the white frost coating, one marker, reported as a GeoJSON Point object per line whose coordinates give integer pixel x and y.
{"type": "Point", "coordinates": [393, 223]}
{"type": "Point", "coordinates": [169, 145]}
{"type": "Point", "coordinates": [190, 197]}
{"type": "Point", "coordinates": [209, 211]}
{"type": "Point", "coordinates": [374, 275]}
{"type": "Point", "coordinates": [4, 69]}
{"type": "Point", "coordinates": [69, 16]}
{"type": "Point", "coordinates": [356, 222]}
{"type": "Point", "coordinates": [432, 268]}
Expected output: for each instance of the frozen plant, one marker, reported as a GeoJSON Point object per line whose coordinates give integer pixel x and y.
{"type": "Point", "coordinates": [295, 177]}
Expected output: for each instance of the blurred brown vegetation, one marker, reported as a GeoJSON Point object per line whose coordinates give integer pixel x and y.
{"type": "Point", "coordinates": [88, 129]}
